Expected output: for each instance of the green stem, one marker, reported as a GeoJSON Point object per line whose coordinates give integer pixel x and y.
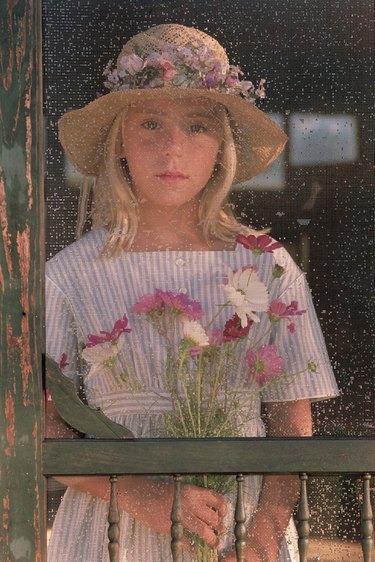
{"type": "Point", "coordinates": [213, 393]}
{"type": "Point", "coordinates": [181, 415]}
{"type": "Point", "coordinates": [221, 308]}
{"type": "Point", "coordinates": [254, 344]}
{"type": "Point", "coordinates": [180, 378]}
{"type": "Point", "coordinates": [199, 393]}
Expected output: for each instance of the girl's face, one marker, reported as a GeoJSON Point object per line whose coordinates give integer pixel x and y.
{"type": "Point", "coordinates": [171, 147]}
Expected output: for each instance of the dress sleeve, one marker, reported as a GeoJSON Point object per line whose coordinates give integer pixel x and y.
{"type": "Point", "coordinates": [61, 328]}
{"type": "Point", "coordinates": [305, 345]}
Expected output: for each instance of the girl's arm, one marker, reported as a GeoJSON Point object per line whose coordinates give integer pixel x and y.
{"type": "Point", "coordinates": [150, 502]}
{"type": "Point", "coordinates": [280, 492]}
{"type": "Point", "coordinates": [147, 500]}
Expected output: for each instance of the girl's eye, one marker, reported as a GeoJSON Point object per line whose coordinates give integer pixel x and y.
{"type": "Point", "coordinates": [151, 125]}
{"type": "Point", "coordinates": [198, 128]}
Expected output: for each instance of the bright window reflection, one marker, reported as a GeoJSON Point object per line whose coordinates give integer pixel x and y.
{"type": "Point", "coordinates": [322, 139]}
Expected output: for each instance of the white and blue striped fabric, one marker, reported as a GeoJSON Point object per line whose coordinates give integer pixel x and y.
{"type": "Point", "coordinates": [86, 293]}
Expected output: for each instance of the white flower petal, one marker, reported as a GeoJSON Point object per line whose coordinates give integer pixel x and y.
{"type": "Point", "coordinates": [247, 294]}
{"type": "Point", "coordinates": [99, 354]}
{"type": "Point", "coordinates": [195, 331]}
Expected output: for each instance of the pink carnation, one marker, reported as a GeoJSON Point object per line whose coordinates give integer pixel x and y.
{"type": "Point", "coordinates": [264, 364]}
{"type": "Point", "coordinates": [258, 244]}
{"type": "Point", "coordinates": [120, 327]}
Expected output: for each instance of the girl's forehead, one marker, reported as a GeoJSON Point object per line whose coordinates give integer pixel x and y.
{"type": "Point", "coordinates": [201, 106]}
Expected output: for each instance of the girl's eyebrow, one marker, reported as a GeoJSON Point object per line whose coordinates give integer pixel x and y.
{"type": "Point", "coordinates": [201, 114]}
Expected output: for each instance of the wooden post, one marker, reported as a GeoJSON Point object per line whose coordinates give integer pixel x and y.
{"type": "Point", "coordinates": [21, 267]}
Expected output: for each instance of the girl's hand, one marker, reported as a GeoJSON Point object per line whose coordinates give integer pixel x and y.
{"type": "Point", "coordinates": [203, 510]}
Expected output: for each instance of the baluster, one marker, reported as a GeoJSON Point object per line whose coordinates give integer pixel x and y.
{"type": "Point", "coordinates": [366, 520]}
{"type": "Point", "coordinates": [177, 529]}
{"type": "Point", "coordinates": [240, 518]}
{"type": "Point", "coordinates": [113, 520]}
{"type": "Point", "coordinates": [303, 516]}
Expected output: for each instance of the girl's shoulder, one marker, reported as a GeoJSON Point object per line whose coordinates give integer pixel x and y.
{"type": "Point", "coordinates": [272, 257]}
{"type": "Point", "coordinates": [86, 250]}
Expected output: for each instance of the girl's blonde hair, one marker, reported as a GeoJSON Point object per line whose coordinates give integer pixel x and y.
{"type": "Point", "coordinates": [115, 205]}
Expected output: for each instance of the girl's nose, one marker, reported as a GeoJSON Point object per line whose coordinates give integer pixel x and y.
{"type": "Point", "coordinates": [174, 140]}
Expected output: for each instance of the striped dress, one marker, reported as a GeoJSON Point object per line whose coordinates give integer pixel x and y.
{"type": "Point", "coordinates": [86, 294]}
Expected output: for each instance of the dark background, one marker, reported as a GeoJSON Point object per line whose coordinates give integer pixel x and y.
{"type": "Point", "coordinates": [317, 57]}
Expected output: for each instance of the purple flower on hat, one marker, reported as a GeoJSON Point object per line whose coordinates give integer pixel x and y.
{"type": "Point", "coordinates": [131, 64]}
{"type": "Point", "coordinates": [247, 85]}
{"type": "Point", "coordinates": [194, 65]}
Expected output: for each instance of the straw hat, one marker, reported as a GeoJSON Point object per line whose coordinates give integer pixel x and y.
{"type": "Point", "coordinates": [174, 60]}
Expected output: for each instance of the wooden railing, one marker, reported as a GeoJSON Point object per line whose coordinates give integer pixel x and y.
{"type": "Point", "coordinates": [304, 456]}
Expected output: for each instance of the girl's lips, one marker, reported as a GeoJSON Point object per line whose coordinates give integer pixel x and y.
{"type": "Point", "coordinates": [172, 176]}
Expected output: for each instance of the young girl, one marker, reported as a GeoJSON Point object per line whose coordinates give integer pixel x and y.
{"type": "Point", "coordinates": [177, 130]}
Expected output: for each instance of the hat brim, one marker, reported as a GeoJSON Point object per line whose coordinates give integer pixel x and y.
{"type": "Point", "coordinates": [83, 132]}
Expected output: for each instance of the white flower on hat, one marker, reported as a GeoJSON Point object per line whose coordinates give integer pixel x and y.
{"type": "Point", "coordinates": [246, 293]}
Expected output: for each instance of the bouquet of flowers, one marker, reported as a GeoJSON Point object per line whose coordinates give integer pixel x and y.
{"type": "Point", "coordinates": [201, 358]}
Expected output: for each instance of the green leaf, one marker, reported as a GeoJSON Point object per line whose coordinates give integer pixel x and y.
{"type": "Point", "coordinates": [75, 412]}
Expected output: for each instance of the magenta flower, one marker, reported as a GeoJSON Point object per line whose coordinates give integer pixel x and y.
{"type": "Point", "coordinates": [120, 327]}
{"type": "Point", "coordinates": [233, 329]}
{"type": "Point", "coordinates": [63, 361]}
{"type": "Point", "coordinates": [148, 304]}
{"type": "Point", "coordinates": [264, 364]}
{"type": "Point", "coordinates": [258, 244]}
{"type": "Point", "coordinates": [278, 310]}
{"type": "Point", "coordinates": [180, 303]}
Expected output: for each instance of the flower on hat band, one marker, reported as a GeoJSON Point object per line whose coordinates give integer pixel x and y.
{"type": "Point", "coordinates": [192, 66]}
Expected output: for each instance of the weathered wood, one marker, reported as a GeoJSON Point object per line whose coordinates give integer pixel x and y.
{"type": "Point", "coordinates": [303, 516]}
{"type": "Point", "coordinates": [240, 518]}
{"type": "Point", "coordinates": [367, 526]}
{"type": "Point", "coordinates": [21, 268]}
{"type": "Point", "coordinates": [75, 412]}
{"type": "Point", "coordinates": [177, 529]}
{"type": "Point", "coordinates": [188, 456]}
{"type": "Point", "coordinates": [113, 520]}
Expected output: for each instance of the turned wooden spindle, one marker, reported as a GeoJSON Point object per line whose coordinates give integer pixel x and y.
{"type": "Point", "coordinates": [177, 529]}
{"type": "Point", "coordinates": [367, 526]}
{"type": "Point", "coordinates": [240, 518]}
{"type": "Point", "coordinates": [113, 520]}
{"type": "Point", "coordinates": [303, 516]}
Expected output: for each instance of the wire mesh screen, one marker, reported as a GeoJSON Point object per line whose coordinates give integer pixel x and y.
{"type": "Point", "coordinates": [318, 198]}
